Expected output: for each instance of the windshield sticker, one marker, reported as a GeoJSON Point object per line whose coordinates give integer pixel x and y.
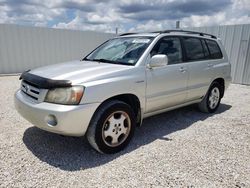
{"type": "Point", "coordinates": [141, 41]}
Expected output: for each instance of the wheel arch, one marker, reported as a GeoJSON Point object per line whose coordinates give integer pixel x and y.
{"type": "Point", "coordinates": [132, 100]}
{"type": "Point", "coordinates": [221, 81]}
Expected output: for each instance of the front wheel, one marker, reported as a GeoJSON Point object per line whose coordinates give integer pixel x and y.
{"type": "Point", "coordinates": [211, 100]}
{"type": "Point", "coordinates": [111, 127]}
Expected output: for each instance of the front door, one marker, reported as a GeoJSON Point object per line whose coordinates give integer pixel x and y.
{"type": "Point", "coordinates": [167, 85]}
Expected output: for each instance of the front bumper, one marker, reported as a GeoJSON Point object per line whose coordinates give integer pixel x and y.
{"type": "Point", "coordinates": [71, 120]}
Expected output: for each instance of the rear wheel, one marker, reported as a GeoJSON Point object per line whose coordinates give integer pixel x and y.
{"type": "Point", "coordinates": [211, 101]}
{"type": "Point", "coordinates": [112, 127]}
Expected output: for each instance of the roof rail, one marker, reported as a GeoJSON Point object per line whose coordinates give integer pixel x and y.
{"type": "Point", "coordinates": [188, 32]}
{"type": "Point", "coordinates": [124, 34]}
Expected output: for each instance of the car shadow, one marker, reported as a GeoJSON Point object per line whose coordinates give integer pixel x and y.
{"type": "Point", "coordinates": [74, 153]}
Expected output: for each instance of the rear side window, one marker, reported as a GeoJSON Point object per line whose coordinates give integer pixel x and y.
{"type": "Point", "coordinates": [214, 49]}
{"type": "Point", "coordinates": [194, 49]}
{"type": "Point", "coordinates": [205, 48]}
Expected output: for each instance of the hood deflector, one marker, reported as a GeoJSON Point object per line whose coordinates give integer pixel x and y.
{"type": "Point", "coordinates": [43, 83]}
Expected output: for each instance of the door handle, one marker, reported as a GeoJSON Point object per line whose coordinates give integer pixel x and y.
{"type": "Point", "coordinates": [182, 69]}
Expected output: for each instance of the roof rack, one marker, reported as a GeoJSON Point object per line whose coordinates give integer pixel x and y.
{"type": "Point", "coordinates": [177, 31]}
{"type": "Point", "coordinates": [124, 34]}
{"type": "Point", "coordinates": [188, 32]}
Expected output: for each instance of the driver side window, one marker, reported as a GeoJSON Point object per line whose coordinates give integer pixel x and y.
{"type": "Point", "coordinates": [170, 46]}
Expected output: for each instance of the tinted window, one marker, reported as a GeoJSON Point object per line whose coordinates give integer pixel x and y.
{"type": "Point", "coordinates": [214, 49]}
{"type": "Point", "coordinates": [194, 49]}
{"type": "Point", "coordinates": [170, 46]}
{"type": "Point", "coordinates": [205, 48]}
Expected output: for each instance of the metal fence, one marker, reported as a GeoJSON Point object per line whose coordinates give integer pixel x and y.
{"type": "Point", "coordinates": [236, 39]}
{"type": "Point", "coordinates": [23, 48]}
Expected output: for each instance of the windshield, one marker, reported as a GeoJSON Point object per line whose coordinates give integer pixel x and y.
{"type": "Point", "coordinates": [125, 50]}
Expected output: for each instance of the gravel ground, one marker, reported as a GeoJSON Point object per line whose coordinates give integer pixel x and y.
{"type": "Point", "coordinates": [181, 148]}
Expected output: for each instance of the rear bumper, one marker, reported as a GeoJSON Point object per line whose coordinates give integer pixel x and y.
{"type": "Point", "coordinates": [228, 80]}
{"type": "Point", "coordinates": [72, 120]}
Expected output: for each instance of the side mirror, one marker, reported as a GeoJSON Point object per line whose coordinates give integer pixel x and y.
{"type": "Point", "coordinates": [158, 60]}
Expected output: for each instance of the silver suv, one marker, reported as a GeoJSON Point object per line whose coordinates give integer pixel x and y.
{"type": "Point", "coordinates": [124, 80]}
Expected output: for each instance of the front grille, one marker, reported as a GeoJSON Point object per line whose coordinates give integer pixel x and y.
{"type": "Point", "coordinates": [30, 90]}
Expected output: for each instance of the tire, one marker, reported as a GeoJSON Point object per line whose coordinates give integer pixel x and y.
{"type": "Point", "coordinates": [211, 101]}
{"type": "Point", "coordinates": [111, 127]}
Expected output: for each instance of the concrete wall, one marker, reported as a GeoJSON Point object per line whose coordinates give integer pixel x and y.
{"type": "Point", "coordinates": [236, 39]}
{"type": "Point", "coordinates": [23, 48]}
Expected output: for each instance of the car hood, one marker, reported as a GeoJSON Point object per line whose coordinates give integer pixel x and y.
{"type": "Point", "coordinates": [79, 71]}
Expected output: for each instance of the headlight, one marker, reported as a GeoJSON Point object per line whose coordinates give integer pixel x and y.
{"type": "Point", "coordinates": [68, 95]}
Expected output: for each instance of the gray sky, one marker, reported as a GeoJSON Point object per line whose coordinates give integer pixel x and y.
{"type": "Point", "coordinates": [127, 15]}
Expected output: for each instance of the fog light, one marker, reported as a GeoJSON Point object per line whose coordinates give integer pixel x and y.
{"type": "Point", "coordinates": [51, 120]}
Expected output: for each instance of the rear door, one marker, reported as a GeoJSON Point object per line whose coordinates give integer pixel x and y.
{"type": "Point", "coordinates": [199, 67]}
{"type": "Point", "coordinates": [167, 86]}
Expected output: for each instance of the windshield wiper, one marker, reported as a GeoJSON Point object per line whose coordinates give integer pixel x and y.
{"type": "Point", "coordinates": [103, 60]}
{"type": "Point", "coordinates": [109, 61]}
